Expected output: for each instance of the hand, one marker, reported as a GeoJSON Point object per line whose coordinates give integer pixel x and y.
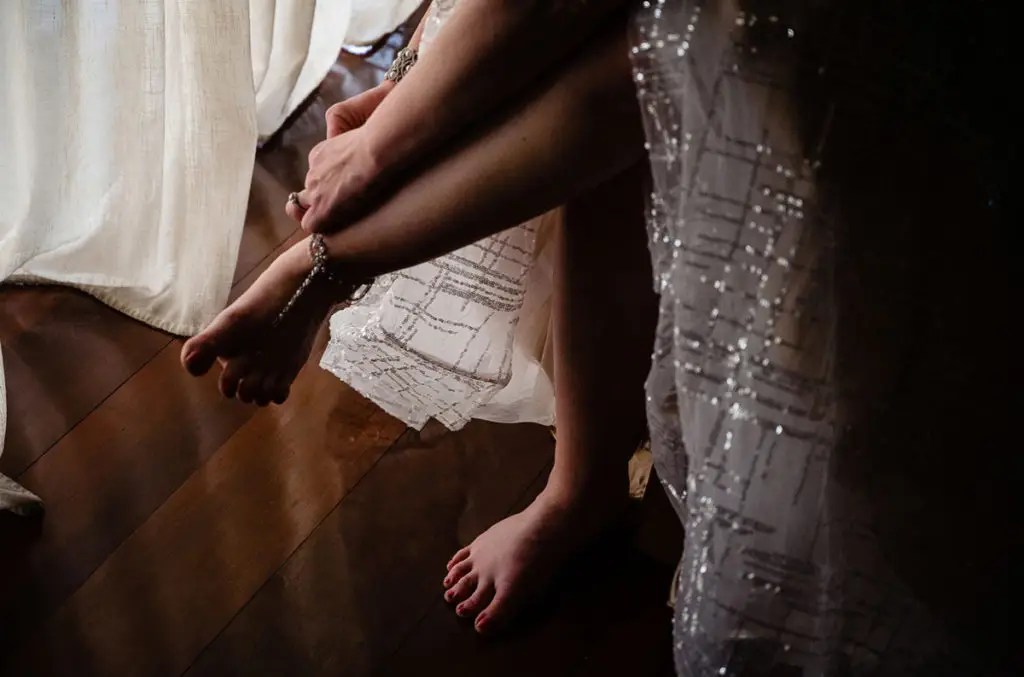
{"type": "Point", "coordinates": [342, 172]}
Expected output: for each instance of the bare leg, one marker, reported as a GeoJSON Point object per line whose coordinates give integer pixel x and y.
{"type": "Point", "coordinates": [578, 130]}
{"type": "Point", "coordinates": [579, 137]}
{"type": "Point", "coordinates": [604, 314]}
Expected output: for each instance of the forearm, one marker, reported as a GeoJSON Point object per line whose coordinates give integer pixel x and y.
{"type": "Point", "coordinates": [487, 51]}
{"type": "Point", "coordinates": [576, 131]}
{"type": "Point", "coordinates": [386, 86]}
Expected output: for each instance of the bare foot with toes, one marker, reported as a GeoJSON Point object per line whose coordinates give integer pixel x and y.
{"type": "Point", "coordinates": [260, 361]}
{"type": "Point", "coordinates": [508, 566]}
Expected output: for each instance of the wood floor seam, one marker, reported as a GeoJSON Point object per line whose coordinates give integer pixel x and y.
{"type": "Point", "coordinates": [99, 404]}
{"type": "Point", "coordinates": [298, 547]}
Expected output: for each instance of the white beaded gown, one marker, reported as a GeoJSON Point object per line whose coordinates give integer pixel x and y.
{"type": "Point", "coordinates": [463, 336]}
{"type": "Point", "coordinates": [831, 395]}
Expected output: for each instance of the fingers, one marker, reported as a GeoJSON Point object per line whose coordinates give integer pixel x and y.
{"type": "Point", "coordinates": [299, 208]}
{"type": "Point", "coordinates": [326, 218]}
{"type": "Point", "coordinates": [313, 222]}
{"type": "Point", "coordinates": [297, 205]}
{"type": "Point", "coordinates": [341, 184]}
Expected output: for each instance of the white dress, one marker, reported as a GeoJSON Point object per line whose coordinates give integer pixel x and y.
{"type": "Point", "coordinates": [463, 336]}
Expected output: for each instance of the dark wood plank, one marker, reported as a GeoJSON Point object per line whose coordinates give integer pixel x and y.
{"type": "Point", "coordinates": [349, 595]}
{"type": "Point", "coordinates": [168, 589]}
{"type": "Point", "coordinates": [63, 353]}
{"type": "Point", "coordinates": [105, 477]}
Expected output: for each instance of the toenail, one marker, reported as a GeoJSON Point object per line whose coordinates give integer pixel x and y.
{"type": "Point", "coordinates": [459, 609]}
{"type": "Point", "coordinates": [449, 594]}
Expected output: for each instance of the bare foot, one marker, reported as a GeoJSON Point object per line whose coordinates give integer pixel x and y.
{"type": "Point", "coordinates": [260, 361]}
{"type": "Point", "coordinates": [511, 563]}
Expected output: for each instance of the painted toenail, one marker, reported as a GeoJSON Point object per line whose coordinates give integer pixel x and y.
{"type": "Point", "coordinates": [448, 595]}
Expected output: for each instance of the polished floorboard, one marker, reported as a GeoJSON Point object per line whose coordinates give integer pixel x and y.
{"type": "Point", "coordinates": [186, 534]}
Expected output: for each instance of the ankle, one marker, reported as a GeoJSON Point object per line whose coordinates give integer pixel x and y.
{"type": "Point", "coordinates": [321, 293]}
{"type": "Point", "coordinates": [568, 490]}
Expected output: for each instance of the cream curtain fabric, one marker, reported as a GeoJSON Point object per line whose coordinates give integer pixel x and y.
{"type": "Point", "coordinates": [373, 19]}
{"type": "Point", "coordinates": [294, 45]}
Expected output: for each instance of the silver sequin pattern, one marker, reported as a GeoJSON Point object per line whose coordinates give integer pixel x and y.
{"type": "Point", "coordinates": [806, 322]}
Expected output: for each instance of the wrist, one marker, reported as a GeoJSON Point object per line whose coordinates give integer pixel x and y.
{"type": "Point", "coordinates": [381, 148]}
{"type": "Point", "coordinates": [388, 147]}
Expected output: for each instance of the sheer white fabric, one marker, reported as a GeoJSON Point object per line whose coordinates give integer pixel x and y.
{"type": "Point", "coordinates": [810, 337]}
{"type": "Point", "coordinates": [460, 337]}
{"type": "Point", "coordinates": [373, 19]}
{"type": "Point", "coordinates": [294, 45]}
{"type": "Point", "coordinates": [296, 42]}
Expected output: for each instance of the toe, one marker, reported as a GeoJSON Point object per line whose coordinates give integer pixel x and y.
{"type": "Point", "coordinates": [261, 390]}
{"type": "Point", "coordinates": [198, 354]}
{"type": "Point", "coordinates": [493, 617]}
{"type": "Point", "coordinates": [220, 339]}
{"type": "Point", "coordinates": [476, 601]}
{"type": "Point", "coordinates": [280, 393]}
{"type": "Point", "coordinates": [278, 387]}
{"type": "Point", "coordinates": [461, 590]}
{"type": "Point", "coordinates": [459, 556]}
{"type": "Point", "coordinates": [457, 572]}
{"type": "Point", "coordinates": [249, 388]}
{"type": "Point", "coordinates": [231, 377]}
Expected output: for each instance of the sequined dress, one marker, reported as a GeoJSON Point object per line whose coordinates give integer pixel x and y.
{"type": "Point", "coordinates": [463, 336]}
{"type": "Point", "coordinates": [829, 411]}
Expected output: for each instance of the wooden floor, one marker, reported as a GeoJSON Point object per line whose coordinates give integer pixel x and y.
{"type": "Point", "coordinates": [186, 534]}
